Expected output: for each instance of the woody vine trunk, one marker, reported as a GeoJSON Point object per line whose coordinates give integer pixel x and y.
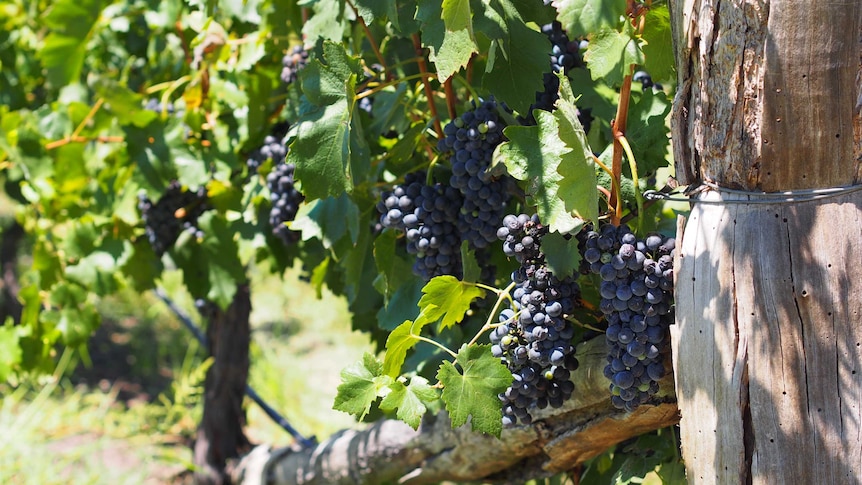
{"type": "Point", "coordinates": [768, 340]}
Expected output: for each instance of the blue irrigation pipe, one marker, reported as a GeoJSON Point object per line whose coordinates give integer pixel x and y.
{"type": "Point", "coordinates": [272, 413]}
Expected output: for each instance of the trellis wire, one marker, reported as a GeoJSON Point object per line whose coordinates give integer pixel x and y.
{"type": "Point", "coordinates": [784, 197]}
{"type": "Point", "coordinates": [249, 391]}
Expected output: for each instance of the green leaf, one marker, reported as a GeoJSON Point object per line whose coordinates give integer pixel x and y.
{"type": "Point", "coordinates": [583, 17]}
{"type": "Point", "coordinates": [123, 103]}
{"type": "Point", "coordinates": [361, 384]}
{"type": "Point", "coordinates": [470, 266]}
{"type": "Point", "coordinates": [328, 220]}
{"type": "Point", "coordinates": [10, 351]}
{"type": "Point", "coordinates": [534, 154]}
{"type": "Point", "coordinates": [446, 298]}
{"type": "Point", "coordinates": [394, 270]}
{"type": "Point", "coordinates": [448, 50]}
{"type": "Point", "coordinates": [401, 340]}
{"type": "Point", "coordinates": [578, 185]}
{"type": "Point", "coordinates": [322, 146]}
{"type": "Point", "coordinates": [97, 271]}
{"type": "Point", "coordinates": [411, 401]}
{"type": "Point", "coordinates": [561, 254]}
{"type": "Point", "coordinates": [457, 16]}
{"type": "Point", "coordinates": [63, 50]}
{"type": "Point", "coordinates": [658, 48]}
{"type": "Point", "coordinates": [374, 9]}
{"type": "Point", "coordinates": [473, 391]}
{"type": "Point", "coordinates": [611, 54]}
{"type": "Point", "coordinates": [521, 57]}
{"type": "Point", "coordinates": [647, 131]}
{"type": "Point", "coordinates": [401, 306]}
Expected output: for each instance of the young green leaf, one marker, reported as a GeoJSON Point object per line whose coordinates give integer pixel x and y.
{"type": "Point", "coordinates": [473, 392]}
{"type": "Point", "coordinates": [402, 339]}
{"type": "Point", "coordinates": [611, 54]}
{"type": "Point", "coordinates": [411, 401]}
{"type": "Point", "coordinates": [446, 298]}
{"type": "Point", "coordinates": [361, 384]}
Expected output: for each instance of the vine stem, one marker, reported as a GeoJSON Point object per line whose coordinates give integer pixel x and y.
{"type": "Point", "coordinates": [382, 86]}
{"type": "Point", "coordinates": [618, 128]}
{"type": "Point", "coordinates": [374, 46]}
{"type": "Point", "coordinates": [501, 296]}
{"type": "Point", "coordinates": [451, 98]}
{"type": "Point", "coordinates": [433, 342]}
{"type": "Point", "coordinates": [615, 196]}
{"type": "Point", "coordinates": [75, 136]}
{"type": "Point", "coordinates": [429, 92]}
{"type": "Point", "coordinates": [634, 168]}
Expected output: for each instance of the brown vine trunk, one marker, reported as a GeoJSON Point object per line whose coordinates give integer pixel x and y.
{"type": "Point", "coordinates": [766, 346]}
{"type": "Point", "coordinates": [220, 434]}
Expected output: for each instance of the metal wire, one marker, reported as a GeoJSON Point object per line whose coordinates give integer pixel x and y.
{"type": "Point", "coordinates": [772, 198]}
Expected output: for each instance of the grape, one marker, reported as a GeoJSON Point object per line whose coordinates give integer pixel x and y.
{"type": "Point", "coordinates": [285, 201]}
{"type": "Point", "coordinates": [154, 104]}
{"type": "Point", "coordinates": [273, 148]}
{"type": "Point", "coordinates": [537, 331]}
{"type": "Point", "coordinates": [176, 210]}
{"type": "Point", "coordinates": [637, 299]}
{"type": "Point", "coordinates": [292, 63]}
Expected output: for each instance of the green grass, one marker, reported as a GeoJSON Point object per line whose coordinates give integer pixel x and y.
{"type": "Point", "coordinates": [132, 415]}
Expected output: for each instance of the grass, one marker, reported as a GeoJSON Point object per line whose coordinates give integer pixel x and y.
{"type": "Point", "coordinates": [129, 417]}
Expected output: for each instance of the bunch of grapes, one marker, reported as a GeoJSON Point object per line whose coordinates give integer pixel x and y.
{"type": "Point", "coordinates": [534, 337]}
{"type": "Point", "coordinates": [273, 148]}
{"type": "Point", "coordinates": [176, 210]}
{"type": "Point", "coordinates": [646, 81]}
{"type": "Point", "coordinates": [427, 215]}
{"type": "Point", "coordinates": [565, 56]}
{"type": "Point", "coordinates": [637, 300]}
{"type": "Point", "coordinates": [292, 63]}
{"type": "Point", "coordinates": [471, 139]}
{"type": "Point", "coordinates": [285, 201]}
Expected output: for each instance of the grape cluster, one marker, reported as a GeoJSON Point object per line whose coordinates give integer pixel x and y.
{"type": "Point", "coordinates": [273, 148]}
{"type": "Point", "coordinates": [471, 139]}
{"type": "Point", "coordinates": [565, 56]}
{"type": "Point", "coordinates": [534, 338]}
{"type": "Point", "coordinates": [646, 81]}
{"type": "Point", "coordinates": [292, 63]}
{"type": "Point", "coordinates": [427, 214]}
{"type": "Point", "coordinates": [176, 210]}
{"type": "Point", "coordinates": [637, 300]}
{"type": "Point", "coordinates": [154, 104]}
{"type": "Point", "coordinates": [285, 201]}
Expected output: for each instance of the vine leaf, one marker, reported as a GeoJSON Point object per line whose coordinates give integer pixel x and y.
{"type": "Point", "coordinates": [578, 186]}
{"type": "Point", "coordinates": [611, 54]}
{"type": "Point", "coordinates": [361, 384]}
{"type": "Point", "coordinates": [401, 305]}
{"type": "Point", "coordinates": [457, 16]}
{"type": "Point", "coordinates": [520, 58]}
{"type": "Point", "coordinates": [647, 131]}
{"type": "Point", "coordinates": [449, 50]}
{"type": "Point", "coordinates": [328, 220]}
{"type": "Point", "coordinates": [582, 17]}
{"type": "Point", "coordinates": [533, 154]}
{"type": "Point", "coordinates": [470, 266]}
{"type": "Point", "coordinates": [402, 339]}
{"type": "Point", "coordinates": [446, 298]}
{"type": "Point", "coordinates": [561, 254]}
{"type": "Point", "coordinates": [322, 145]}
{"type": "Point", "coordinates": [394, 270]}
{"type": "Point", "coordinates": [71, 23]}
{"type": "Point", "coordinates": [659, 61]}
{"type": "Point", "coordinates": [473, 393]}
{"type": "Point", "coordinates": [10, 351]}
{"type": "Point", "coordinates": [411, 401]}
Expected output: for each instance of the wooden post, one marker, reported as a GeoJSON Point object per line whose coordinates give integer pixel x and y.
{"type": "Point", "coordinates": [768, 340]}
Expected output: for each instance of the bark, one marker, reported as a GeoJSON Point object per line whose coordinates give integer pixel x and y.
{"type": "Point", "coordinates": [767, 337]}
{"type": "Point", "coordinates": [390, 451]}
{"type": "Point", "coordinates": [220, 434]}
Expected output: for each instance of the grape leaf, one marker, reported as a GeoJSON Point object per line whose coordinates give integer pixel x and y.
{"type": "Point", "coordinates": [446, 298]}
{"type": "Point", "coordinates": [411, 400]}
{"type": "Point", "coordinates": [10, 351]}
{"type": "Point", "coordinates": [401, 306]}
{"type": "Point", "coordinates": [578, 185]}
{"type": "Point", "coordinates": [583, 17]}
{"type": "Point", "coordinates": [457, 16]}
{"type": "Point", "coordinates": [394, 270]}
{"type": "Point", "coordinates": [658, 51]}
{"type": "Point", "coordinates": [533, 154]}
{"type": "Point", "coordinates": [473, 393]}
{"type": "Point", "coordinates": [330, 20]}
{"type": "Point", "coordinates": [321, 146]}
{"type": "Point", "coordinates": [328, 220]}
{"type": "Point", "coordinates": [521, 54]}
{"type": "Point", "coordinates": [373, 9]}
{"type": "Point", "coordinates": [611, 54]}
{"type": "Point", "coordinates": [449, 50]}
{"type": "Point", "coordinates": [361, 384]}
{"type": "Point", "coordinates": [63, 50]}
{"type": "Point", "coordinates": [647, 131]}
{"type": "Point", "coordinates": [561, 254]}
{"type": "Point", "coordinates": [469, 264]}
{"type": "Point", "coordinates": [97, 272]}
{"type": "Point", "coordinates": [402, 339]}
